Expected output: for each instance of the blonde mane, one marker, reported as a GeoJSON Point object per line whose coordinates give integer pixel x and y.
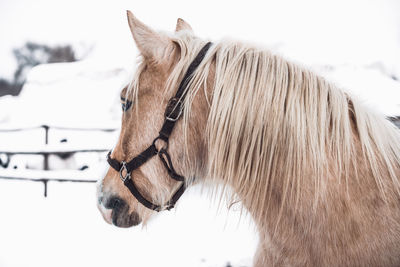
{"type": "Point", "coordinates": [273, 125]}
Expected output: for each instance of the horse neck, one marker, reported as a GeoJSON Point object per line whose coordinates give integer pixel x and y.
{"type": "Point", "coordinates": [280, 207]}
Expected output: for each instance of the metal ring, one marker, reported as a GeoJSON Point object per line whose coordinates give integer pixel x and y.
{"type": "Point", "coordinates": [121, 175]}
{"type": "Point", "coordinates": [165, 147]}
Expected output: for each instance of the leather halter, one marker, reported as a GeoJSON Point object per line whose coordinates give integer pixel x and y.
{"type": "Point", "coordinates": [172, 114]}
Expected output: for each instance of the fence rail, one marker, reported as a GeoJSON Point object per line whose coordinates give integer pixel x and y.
{"type": "Point", "coordinates": [14, 128]}
{"type": "Point", "coordinates": [47, 150]}
{"type": "Point", "coordinates": [20, 177]}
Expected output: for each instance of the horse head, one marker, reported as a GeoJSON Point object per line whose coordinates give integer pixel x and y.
{"type": "Point", "coordinates": [145, 158]}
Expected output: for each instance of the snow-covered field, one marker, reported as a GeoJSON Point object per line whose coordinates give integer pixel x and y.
{"type": "Point", "coordinates": [356, 44]}
{"type": "Point", "coordinates": [66, 229]}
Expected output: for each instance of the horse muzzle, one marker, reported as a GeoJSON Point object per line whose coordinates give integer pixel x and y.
{"type": "Point", "coordinates": [116, 211]}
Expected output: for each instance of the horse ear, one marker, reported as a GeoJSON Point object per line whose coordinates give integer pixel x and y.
{"type": "Point", "coordinates": [182, 25]}
{"type": "Point", "coordinates": [151, 44]}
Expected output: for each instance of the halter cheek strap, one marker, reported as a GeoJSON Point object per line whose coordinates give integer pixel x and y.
{"type": "Point", "coordinates": [172, 114]}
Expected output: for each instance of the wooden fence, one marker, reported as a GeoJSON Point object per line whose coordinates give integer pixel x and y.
{"type": "Point", "coordinates": [46, 175]}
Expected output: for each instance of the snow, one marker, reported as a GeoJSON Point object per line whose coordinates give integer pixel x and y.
{"type": "Point", "coordinates": [66, 229]}
{"type": "Point", "coordinates": [7, 103]}
{"type": "Point", "coordinates": [375, 89]}
{"type": "Point", "coordinates": [73, 92]}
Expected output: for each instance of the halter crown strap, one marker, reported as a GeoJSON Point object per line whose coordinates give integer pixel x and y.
{"type": "Point", "coordinates": [172, 114]}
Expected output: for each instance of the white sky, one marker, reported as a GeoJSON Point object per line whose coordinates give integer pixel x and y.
{"type": "Point", "coordinates": [311, 31]}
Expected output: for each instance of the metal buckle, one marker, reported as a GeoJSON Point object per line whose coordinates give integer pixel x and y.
{"type": "Point", "coordinates": [121, 175]}
{"type": "Point", "coordinates": [173, 110]}
{"type": "Point", "coordinates": [169, 207]}
{"type": "Point", "coordinates": [162, 208]}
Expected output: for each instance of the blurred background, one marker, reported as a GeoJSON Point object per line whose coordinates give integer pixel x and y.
{"type": "Point", "coordinates": [62, 66]}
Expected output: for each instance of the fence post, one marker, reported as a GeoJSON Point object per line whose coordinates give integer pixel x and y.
{"type": "Point", "coordinates": [45, 187]}
{"type": "Point", "coordinates": [46, 141]}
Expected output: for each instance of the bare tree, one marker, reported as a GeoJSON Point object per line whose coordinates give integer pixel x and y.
{"type": "Point", "coordinates": [30, 55]}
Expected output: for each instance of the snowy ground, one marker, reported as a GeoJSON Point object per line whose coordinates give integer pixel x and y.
{"type": "Point", "coordinates": [66, 229]}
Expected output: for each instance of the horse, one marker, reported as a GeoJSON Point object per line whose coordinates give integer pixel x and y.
{"type": "Point", "coordinates": [317, 171]}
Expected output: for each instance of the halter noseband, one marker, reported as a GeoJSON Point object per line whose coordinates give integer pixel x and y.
{"type": "Point", "coordinates": [172, 114]}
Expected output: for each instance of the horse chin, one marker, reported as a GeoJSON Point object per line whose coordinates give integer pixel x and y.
{"type": "Point", "coordinates": [125, 219]}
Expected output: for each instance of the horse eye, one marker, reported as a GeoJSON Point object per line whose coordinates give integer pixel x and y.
{"type": "Point", "coordinates": [126, 104]}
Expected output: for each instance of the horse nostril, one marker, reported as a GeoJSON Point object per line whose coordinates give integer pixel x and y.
{"type": "Point", "coordinates": [114, 203]}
